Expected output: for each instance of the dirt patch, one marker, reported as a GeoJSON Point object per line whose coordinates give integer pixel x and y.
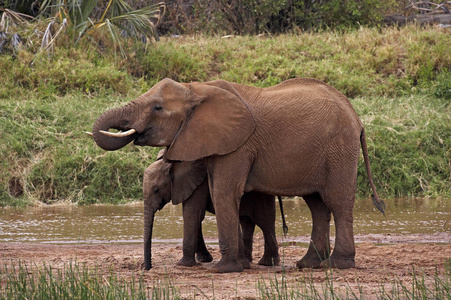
{"type": "Point", "coordinates": [376, 264]}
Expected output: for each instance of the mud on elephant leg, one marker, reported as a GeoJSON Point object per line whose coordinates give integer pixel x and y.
{"type": "Point", "coordinates": [319, 248]}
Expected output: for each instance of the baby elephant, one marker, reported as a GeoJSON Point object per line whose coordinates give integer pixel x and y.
{"type": "Point", "coordinates": [186, 182]}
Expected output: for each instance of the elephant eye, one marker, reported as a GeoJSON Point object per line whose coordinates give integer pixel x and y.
{"type": "Point", "coordinates": [157, 108]}
{"type": "Point", "coordinates": [156, 191]}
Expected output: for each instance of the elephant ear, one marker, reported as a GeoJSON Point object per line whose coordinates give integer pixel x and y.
{"type": "Point", "coordinates": [186, 177]}
{"type": "Point", "coordinates": [220, 123]}
{"type": "Point", "coordinates": [160, 154]}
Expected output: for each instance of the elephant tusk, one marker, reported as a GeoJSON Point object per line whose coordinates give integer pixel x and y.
{"type": "Point", "coordinates": [88, 133]}
{"type": "Point", "coordinates": [118, 134]}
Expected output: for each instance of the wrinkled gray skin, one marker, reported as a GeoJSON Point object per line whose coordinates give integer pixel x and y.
{"type": "Point", "coordinates": [186, 183]}
{"type": "Point", "coordinates": [301, 137]}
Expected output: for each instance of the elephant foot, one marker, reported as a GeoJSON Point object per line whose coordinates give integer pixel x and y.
{"type": "Point", "coordinates": [309, 263]}
{"type": "Point", "coordinates": [204, 257]}
{"type": "Point", "coordinates": [245, 262]}
{"type": "Point", "coordinates": [313, 259]}
{"type": "Point", "coordinates": [338, 263]}
{"type": "Point", "coordinates": [268, 260]}
{"type": "Point", "coordinates": [187, 262]}
{"type": "Point", "coordinates": [229, 266]}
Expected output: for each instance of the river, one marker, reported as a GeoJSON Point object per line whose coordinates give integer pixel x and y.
{"type": "Point", "coordinates": [416, 218]}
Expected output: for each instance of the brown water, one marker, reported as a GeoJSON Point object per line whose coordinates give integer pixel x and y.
{"type": "Point", "coordinates": [124, 223]}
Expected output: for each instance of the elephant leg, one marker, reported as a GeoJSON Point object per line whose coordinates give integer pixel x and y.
{"type": "Point", "coordinates": [319, 248]}
{"type": "Point", "coordinates": [226, 180]}
{"type": "Point", "coordinates": [202, 254]}
{"type": "Point", "coordinates": [248, 228]}
{"type": "Point", "coordinates": [343, 255]}
{"type": "Point", "coordinates": [340, 197]}
{"type": "Point", "coordinates": [264, 216]}
{"type": "Point", "coordinates": [193, 214]}
{"type": "Point", "coordinates": [241, 254]}
{"type": "Point", "coordinates": [271, 255]}
{"type": "Point", "coordinates": [228, 234]}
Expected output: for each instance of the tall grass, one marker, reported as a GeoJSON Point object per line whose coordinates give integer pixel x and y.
{"type": "Point", "coordinates": [418, 286]}
{"type": "Point", "coordinates": [398, 79]}
{"type": "Point", "coordinates": [78, 281]}
{"type": "Point", "coordinates": [409, 145]}
{"type": "Point", "coordinates": [45, 147]}
{"type": "Point", "coordinates": [74, 281]}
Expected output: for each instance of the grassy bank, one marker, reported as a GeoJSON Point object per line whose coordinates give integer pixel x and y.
{"type": "Point", "coordinates": [399, 81]}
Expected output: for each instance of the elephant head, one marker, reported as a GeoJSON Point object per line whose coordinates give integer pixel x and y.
{"type": "Point", "coordinates": [193, 120]}
{"type": "Point", "coordinates": [164, 182]}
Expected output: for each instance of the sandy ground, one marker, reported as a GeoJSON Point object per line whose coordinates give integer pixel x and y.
{"type": "Point", "coordinates": [379, 260]}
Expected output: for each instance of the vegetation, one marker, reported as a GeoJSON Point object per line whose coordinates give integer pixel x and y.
{"type": "Point", "coordinates": [398, 79]}
{"type": "Point", "coordinates": [76, 281]}
{"type": "Point", "coordinates": [81, 19]}
{"type": "Point", "coordinates": [272, 16]}
{"type": "Point", "coordinates": [436, 286]}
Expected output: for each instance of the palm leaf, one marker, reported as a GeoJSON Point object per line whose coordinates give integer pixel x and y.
{"type": "Point", "coordinates": [10, 17]}
{"type": "Point", "coordinates": [114, 36]}
{"type": "Point", "coordinates": [138, 22]}
{"type": "Point", "coordinates": [82, 11]}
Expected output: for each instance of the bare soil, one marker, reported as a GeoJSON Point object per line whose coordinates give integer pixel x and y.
{"type": "Point", "coordinates": [379, 260]}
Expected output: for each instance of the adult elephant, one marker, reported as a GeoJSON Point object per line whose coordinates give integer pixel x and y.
{"type": "Point", "coordinates": [301, 137]}
{"type": "Point", "coordinates": [186, 183]}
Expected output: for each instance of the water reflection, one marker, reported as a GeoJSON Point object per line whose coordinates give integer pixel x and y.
{"type": "Point", "coordinates": [108, 223]}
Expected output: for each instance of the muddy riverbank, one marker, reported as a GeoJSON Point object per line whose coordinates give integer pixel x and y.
{"type": "Point", "coordinates": [380, 259]}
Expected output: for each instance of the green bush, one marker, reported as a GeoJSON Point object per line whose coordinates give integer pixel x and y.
{"type": "Point", "coordinates": [254, 17]}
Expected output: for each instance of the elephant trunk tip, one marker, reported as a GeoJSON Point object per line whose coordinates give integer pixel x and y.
{"type": "Point", "coordinates": [380, 204]}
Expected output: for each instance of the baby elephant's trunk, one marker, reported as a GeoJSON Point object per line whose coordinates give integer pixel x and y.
{"type": "Point", "coordinates": [149, 215]}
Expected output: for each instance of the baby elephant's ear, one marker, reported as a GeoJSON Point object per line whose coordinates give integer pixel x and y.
{"type": "Point", "coordinates": [186, 177]}
{"type": "Point", "coordinates": [219, 124]}
{"type": "Point", "coordinates": [161, 154]}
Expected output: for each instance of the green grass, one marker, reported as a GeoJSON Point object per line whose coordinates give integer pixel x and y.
{"type": "Point", "coordinates": [418, 286]}
{"type": "Point", "coordinates": [398, 79]}
{"type": "Point", "coordinates": [44, 144]}
{"type": "Point", "coordinates": [77, 281]}
{"type": "Point", "coordinates": [409, 145]}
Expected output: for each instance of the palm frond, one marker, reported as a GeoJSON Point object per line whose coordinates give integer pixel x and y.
{"type": "Point", "coordinates": [138, 22]}
{"type": "Point", "coordinates": [12, 18]}
{"type": "Point", "coordinates": [115, 37]}
{"type": "Point", "coordinates": [81, 10]}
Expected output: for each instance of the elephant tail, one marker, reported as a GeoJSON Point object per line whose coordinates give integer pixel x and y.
{"type": "Point", "coordinates": [380, 204]}
{"type": "Point", "coordinates": [285, 227]}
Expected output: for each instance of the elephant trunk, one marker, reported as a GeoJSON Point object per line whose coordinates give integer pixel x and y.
{"type": "Point", "coordinates": [149, 216]}
{"type": "Point", "coordinates": [112, 119]}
